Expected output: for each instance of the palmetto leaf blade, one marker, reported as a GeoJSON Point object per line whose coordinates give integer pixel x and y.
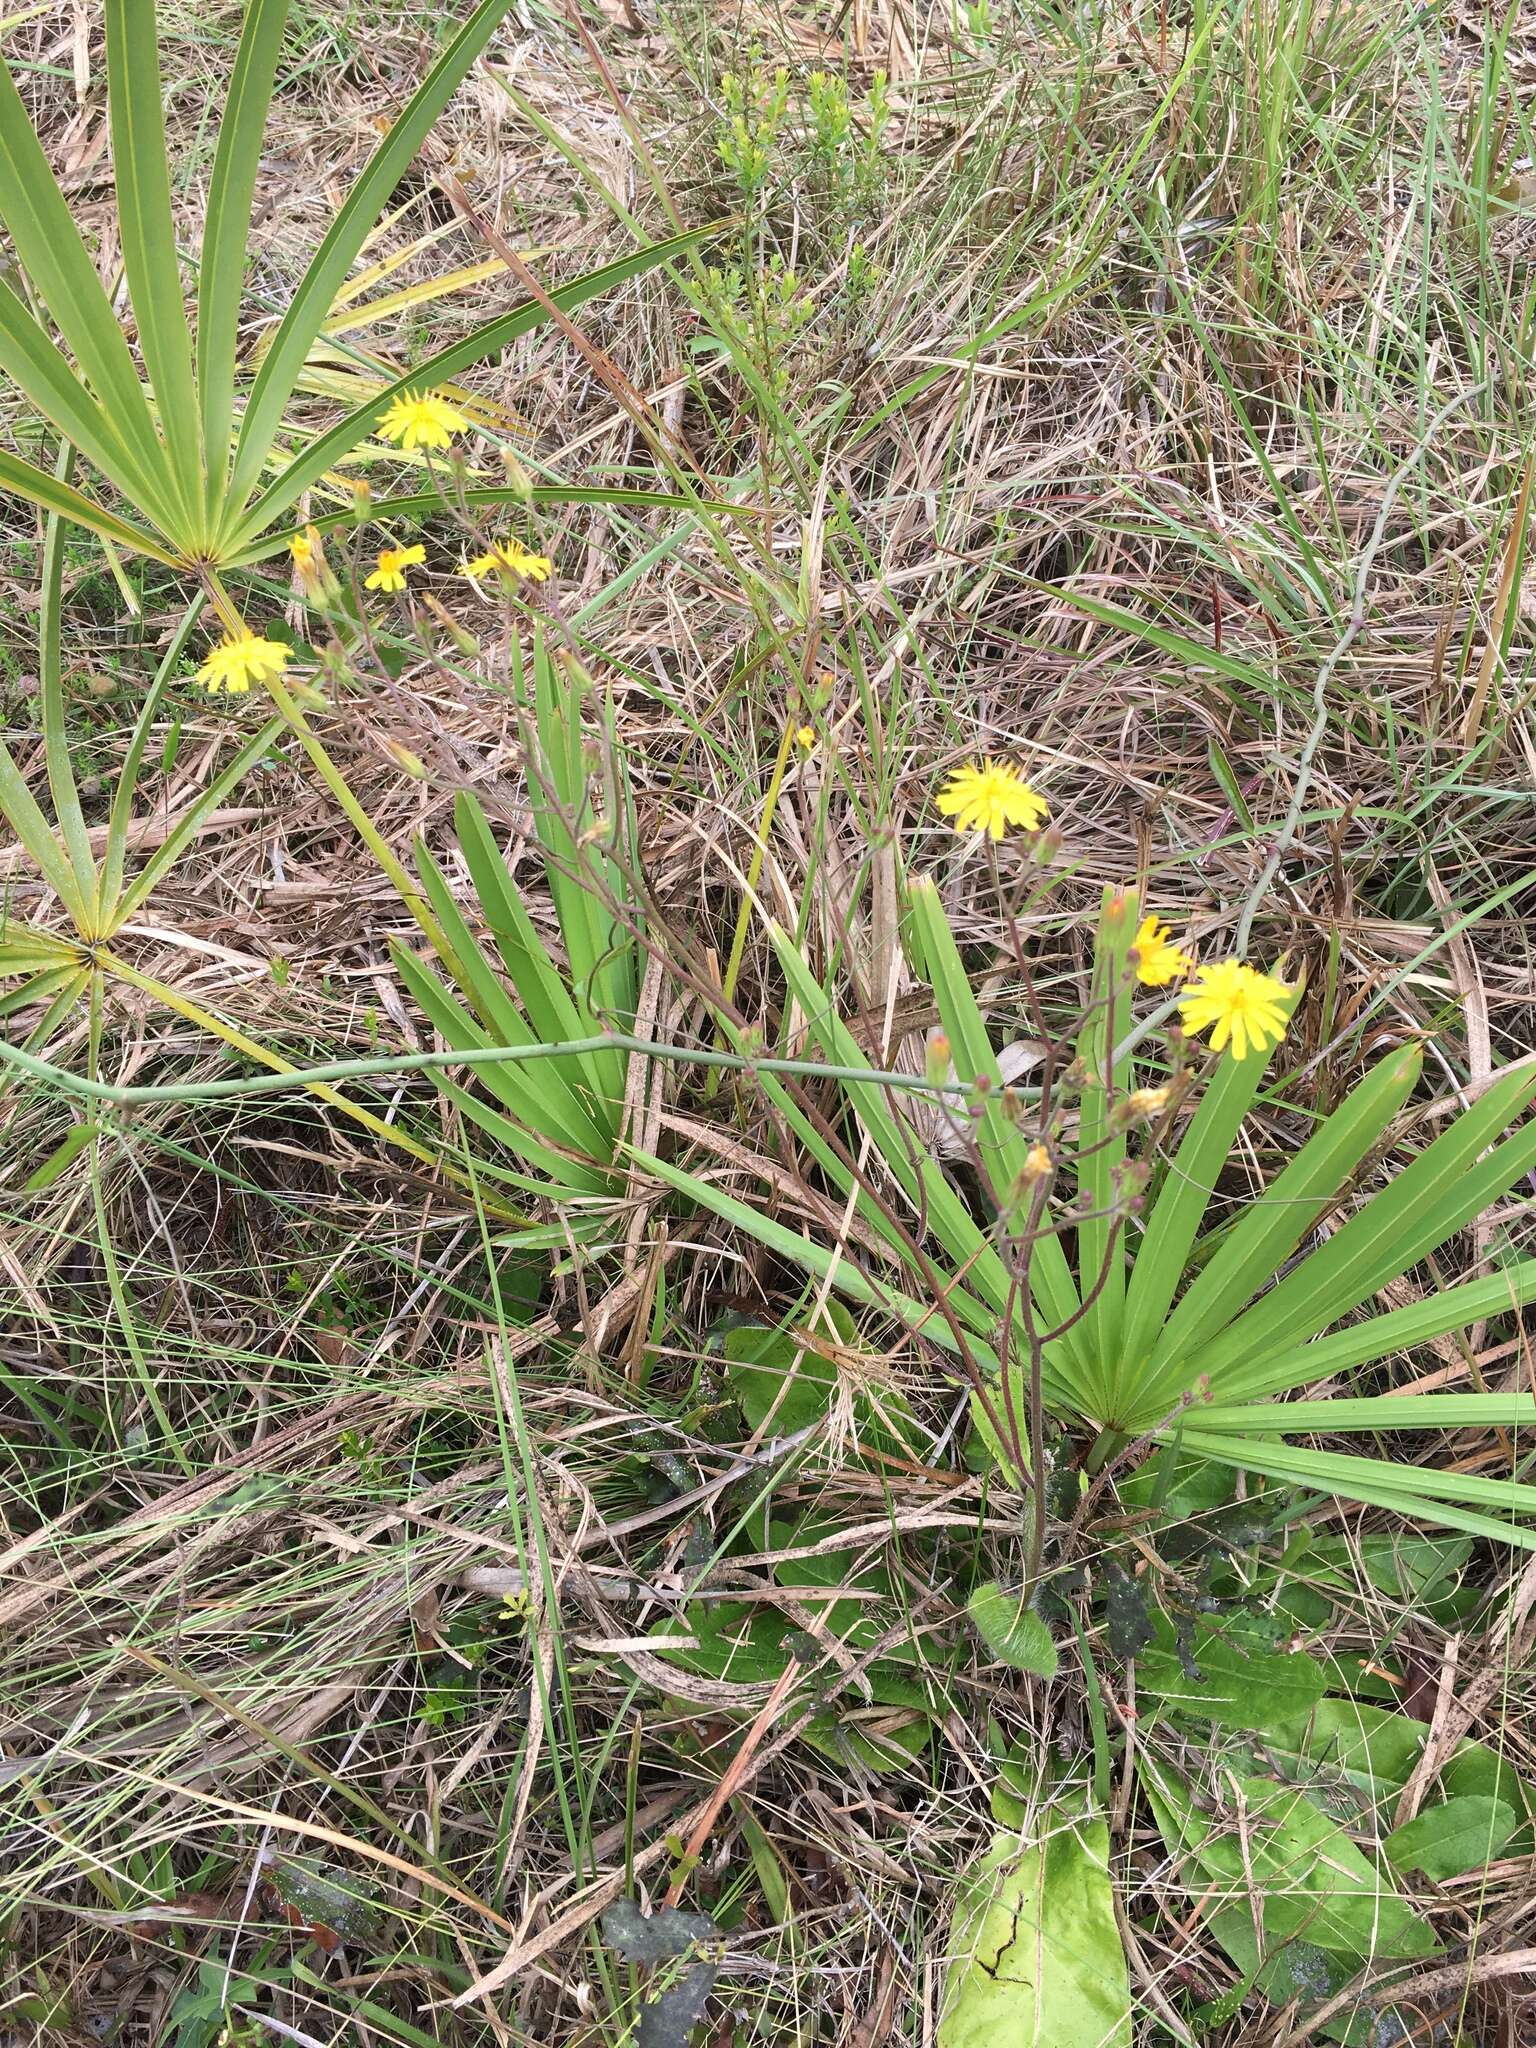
{"type": "Point", "coordinates": [37, 367]}
{"type": "Point", "coordinates": [327, 449]}
{"type": "Point", "coordinates": [311, 302]}
{"type": "Point", "coordinates": [1275, 1222]}
{"type": "Point", "coordinates": [1434, 1195]}
{"type": "Point", "coordinates": [1400, 1330]}
{"type": "Point", "coordinates": [1503, 1510]}
{"type": "Point", "coordinates": [26, 480]}
{"type": "Point", "coordinates": [56, 744]}
{"type": "Point", "coordinates": [50, 251]}
{"type": "Point", "coordinates": [1182, 1200]}
{"type": "Point", "coordinates": [226, 231]}
{"type": "Point", "coordinates": [136, 114]}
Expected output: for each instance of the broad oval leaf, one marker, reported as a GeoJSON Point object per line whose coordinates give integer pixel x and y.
{"type": "Point", "coordinates": [1014, 1633]}
{"type": "Point", "coordinates": [1459, 1835]}
{"type": "Point", "coordinates": [1227, 1674]}
{"type": "Point", "coordinates": [1036, 1955]}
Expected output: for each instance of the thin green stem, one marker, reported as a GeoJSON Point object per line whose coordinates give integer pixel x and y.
{"type": "Point", "coordinates": [755, 865]}
{"type": "Point", "coordinates": [293, 716]}
{"type": "Point", "coordinates": [121, 1305]}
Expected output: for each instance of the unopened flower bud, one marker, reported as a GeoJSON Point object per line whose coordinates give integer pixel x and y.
{"type": "Point", "coordinates": [518, 478]}
{"type": "Point", "coordinates": [305, 695]}
{"type": "Point", "coordinates": [458, 636]}
{"type": "Point", "coordinates": [936, 1060]}
{"type": "Point", "coordinates": [402, 757]}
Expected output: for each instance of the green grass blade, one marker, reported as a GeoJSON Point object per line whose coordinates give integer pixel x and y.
{"type": "Point", "coordinates": [1444, 1188]}
{"type": "Point", "coordinates": [226, 231]}
{"type": "Point", "coordinates": [1201, 658]}
{"type": "Point", "coordinates": [27, 481]}
{"type": "Point", "coordinates": [1272, 1226]}
{"type": "Point", "coordinates": [1101, 1148]}
{"type": "Point", "coordinates": [34, 364]}
{"type": "Point", "coordinates": [135, 108]}
{"type": "Point", "coordinates": [190, 822]}
{"type": "Point", "coordinates": [1003, 1147]}
{"type": "Point", "coordinates": [825, 1264]}
{"type": "Point", "coordinates": [327, 449]}
{"type": "Point", "coordinates": [51, 252]}
{"type": "Point", "coordinates": [539, 983]}
{"type": "Point", "coordinates": [120, 821]}
{"type": "Point", "coordinates": [1189, 1182]}
{"type": "Point", "coordinates": [62, 787]}
{"type": "Point", "coordinates": [317, 289]}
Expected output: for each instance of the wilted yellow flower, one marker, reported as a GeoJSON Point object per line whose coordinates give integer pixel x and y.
{"type": "Point", "coordinates": [990, 799]}
{"type": "Point", "coordinates": [1037, 1163]}
{"type": "Point", "coordinates": [514, 558]}
{"type": "Point", "coordinates": [1147, 1101]}
{"type": "Point", "coordinates": [241, 659]}
{"type": "Point", "coordinates": [1156, 958]}
{"type": "Point", "coordinates": [1239, 1003]}
{"type": "Point", "coordinates": [428, 421]}
{"type": "Point", "coordinates": [393, 563]}
{"type": "Point", "coordinates": [805, 736]}
{"type": "Point", "coordinates": [302, 549]}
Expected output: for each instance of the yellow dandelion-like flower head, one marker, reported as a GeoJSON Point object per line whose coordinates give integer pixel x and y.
{"type": "Point", "coordinates": [990, 799]}
{"type": "Point", "coordinates": [241, 659]}
{"type": "Point", "coordinates": [302, 549]}
{"type": "Point", "coordinates": [1240, 1005]}
{"type": "Point", "coordinates": [805, 737]}
{"type": "Point", "coordinates": [1154, 955]}
{"type": "Point", "coordinates": [424, 420]}
{"type": "Point", "coordinates": [512, 559]}
{"type": "Point", "coordinates": [393, 563]}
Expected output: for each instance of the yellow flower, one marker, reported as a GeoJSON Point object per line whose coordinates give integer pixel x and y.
{"type": "Point", "coordinates": [1147, 1101]}
{"type": "Point", "coordinates": [1156, 958]}
{"type": "Point", "coordinates": [302, 549]}
{"type": "Point", "coordinates": [514, 558]}
{"type": "Point", "coordinates": [1037, 1163]}
{"type": "Point", "coordinates": [241, 659]}
{"type": "Point", "coordinates": [805, 736]}
{"type": "Point", "coordinates": [1241, 1003]}
{"type": "Point", "coordinates": [990, 799]}
{"type": "Point", "coordinates": [393, 563]}
{"type": "Point", "coordinates": [425, 422]}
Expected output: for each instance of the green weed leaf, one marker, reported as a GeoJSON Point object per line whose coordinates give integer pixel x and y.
{"type": "Point", "coordinates": [1037, 1955]}
{"type": "Point", "coordinates": [1459, 1835]}
{"type": "Point", "coordinates": [1227, 1673]}
{"type": "Point", "coordinates": [1013, 1632]}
